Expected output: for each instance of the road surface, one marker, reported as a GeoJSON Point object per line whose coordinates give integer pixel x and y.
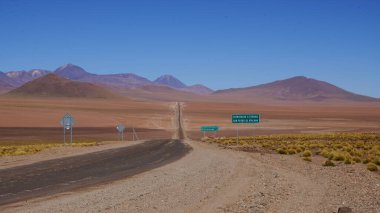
{"type": "Point", "coordinates": [60, 175]}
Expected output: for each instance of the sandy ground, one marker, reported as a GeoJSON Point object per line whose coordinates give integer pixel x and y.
{"type": "Point", "coordinates": [282, 119]}
{"type": "Point", "coordinates": [47, 112]}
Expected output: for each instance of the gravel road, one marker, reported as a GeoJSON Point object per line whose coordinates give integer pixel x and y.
{"type": "Point", "coordinates": [214, 179]}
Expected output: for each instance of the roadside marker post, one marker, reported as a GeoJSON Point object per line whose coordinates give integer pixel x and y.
{"type": "Point", "coordinates": [67, 122]}
{"type": "Point", "coordinates": [244, 119]}
{"type": "Point", "coordinates": [134, 134]}
{"type": "Point", "coordinates": [120, 128]}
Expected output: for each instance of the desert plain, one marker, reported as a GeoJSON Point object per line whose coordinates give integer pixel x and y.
{"type": "Point", "coordinates": [210, 178]}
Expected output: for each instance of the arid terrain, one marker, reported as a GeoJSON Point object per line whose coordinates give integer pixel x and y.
{"type": "Point", "coordinates": [26, 120]}
{"type": "Point", "coordinates": [232, 106]}
{"type": "Point", "coordinates": [283, 119]}
{"type": "Point", "coordinates": [209, 178]}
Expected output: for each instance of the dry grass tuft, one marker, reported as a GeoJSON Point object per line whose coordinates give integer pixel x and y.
{"type": "Point", "coordinates": [329, 163]}
{"type": "Point", "coordinates": [372, 167]}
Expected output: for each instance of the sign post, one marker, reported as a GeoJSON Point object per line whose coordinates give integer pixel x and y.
{"type": "Point", "coordinates": [67, 122]}
{"type": "Point", "coordinates": [244, 119]}
{"type": "Point", "coordinates": [205, 129]}
{"type": "Point", "coordinates": [120, 128]}
{"type": "Point", "coordinates": [134, 134]}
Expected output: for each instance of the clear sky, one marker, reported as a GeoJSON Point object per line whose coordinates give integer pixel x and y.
{"type": "Point", "coordinates": [221, 44]}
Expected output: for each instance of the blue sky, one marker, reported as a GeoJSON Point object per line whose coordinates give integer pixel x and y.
{"type": "Point", "coordinates": [221, 44]}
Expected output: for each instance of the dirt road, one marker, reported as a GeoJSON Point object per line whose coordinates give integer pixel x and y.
{"type": "Point", "coordinates": [212, 179]}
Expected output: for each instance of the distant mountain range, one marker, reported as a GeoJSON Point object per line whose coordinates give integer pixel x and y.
{"type": "Point", "coordinates": [298, 88]}
{"type": "Point", "coordinates": [52, 85]}
{"type": "Point", "coordinates": [166, 87]}
{"type": "Point", "coordinates": [170, 81]}
{"type": "Point", "coordinates": [124, 80]}
{"type": "Point", "coordinates": [18, 78]}
{"type": "Point", "coordinates": [14, 79]}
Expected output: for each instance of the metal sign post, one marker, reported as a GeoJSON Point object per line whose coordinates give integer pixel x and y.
{"type": "Point", "coordinates": [120, 128]}
{"type": "Point", "coordinates": [244, 119]}
{"type": "Point", "coordinates": [67, 122]}
{"type": "Point", "coordinates": [237, 135]}
{"type": "Point", "coordinates": [134, 134]}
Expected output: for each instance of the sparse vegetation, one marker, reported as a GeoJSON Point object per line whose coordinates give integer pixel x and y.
{"type": "Point", "coordinates": [307, 153]}
{"type": "Point", "coordinates": [372, 167]}
{"type": "Point", "coordinates": [307, 159]}
{"type": "Point", "coordinates": [328, 163]}
{"type": "Point", "coordinates": [349, 148]}
{"type": "Point", "coordinates": [13, 150]}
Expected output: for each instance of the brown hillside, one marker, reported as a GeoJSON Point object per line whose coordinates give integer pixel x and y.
{"type": "Point", "coordinates": [294, 89]}
{"type": "Point", "coordinates": [52, 85]}
{"type": "Point", "coordinates": [160, 93]}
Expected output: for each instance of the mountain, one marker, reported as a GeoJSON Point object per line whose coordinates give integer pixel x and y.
{"type": "Point", "coordinates": [169, 80]}
{"type": "Point", "coordinates": [173, 82]}
{"type": "Point", "coordinates": [4, 86]}
{"type": "Point", "coordinates": [21, 77]}
{"type": "Point", "coordinates": [198, 89]}
{"type": "Point", "coordinates": [160, 93]}
{"type": "Point", "coordinates": [4, 83]}
{"type": "Point", "coordinates": [52, 85]}
{"type": "Point", "coordinates": [293, 89]}
{"type": "Point", "coordinates": [125, 80]}
{"type": "Point", "coordinates": [72, 72]}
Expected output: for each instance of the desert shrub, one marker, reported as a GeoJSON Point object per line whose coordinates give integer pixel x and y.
{"type": "Point", "coordinates": [357, 160]}
{"type": "Point", "coordinates": [314, 145]}
{"type": "Point", "coordinates": [291, 152]}
{"type": "Point", "coordinates": [338, 156]}
{"type": "Point", "coordinates": [376, 161]}
{"type": "Point", "coordinates": [281, 151]}
{"type": "Point", "coordinates": [307, 159]}
{"type": "Point", "coordinates": [347, 160]}
{"type": "Point", "coordinates": [358, 153]}
{"type": "Point", "coordinates": [372, 167]}
{"type": "Point", "coordinates": [347, 148]}
{"type": "Point", "coordinates": [307, 153]}
{"type": "Point", "coordinates": [328, 163]}
{"type": "Point", "coordinates": [365, 161]}
{"type": "Point", "coordinates": [325, 153]}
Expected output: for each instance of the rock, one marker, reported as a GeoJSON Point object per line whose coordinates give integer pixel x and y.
{"type": "Point", "coordinates": [344, 210]}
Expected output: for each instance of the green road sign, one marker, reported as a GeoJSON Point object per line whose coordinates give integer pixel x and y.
{"type": "Point", "coordinates": [209, 128]}
{"type": "Point", "coordinates": [245, 118]}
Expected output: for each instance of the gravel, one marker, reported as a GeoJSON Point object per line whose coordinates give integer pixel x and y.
{"type": "Point", "coordinates": [213, 179]}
